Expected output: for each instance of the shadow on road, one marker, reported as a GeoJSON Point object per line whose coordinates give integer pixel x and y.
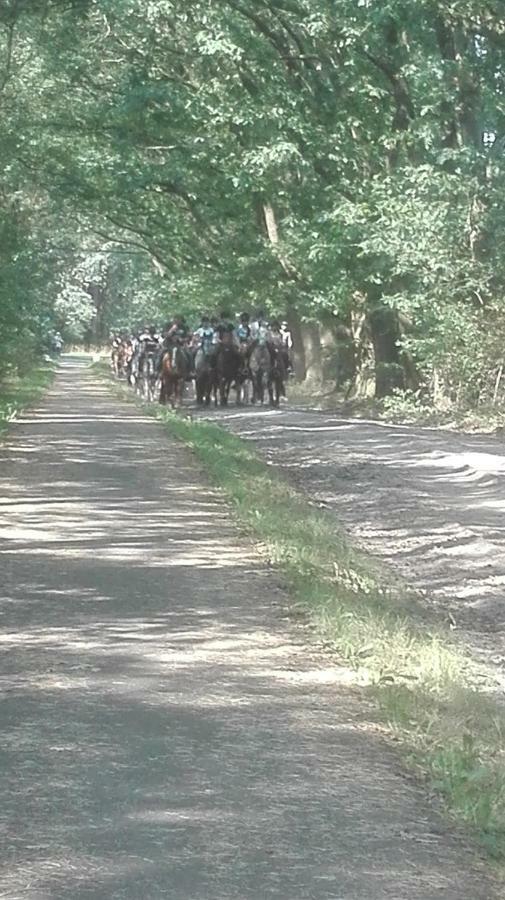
{"type": "Point", "coordinates": [164, 733]}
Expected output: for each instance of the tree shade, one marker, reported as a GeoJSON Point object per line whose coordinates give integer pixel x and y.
{"type": "Point", "coordinates": [322, 159]}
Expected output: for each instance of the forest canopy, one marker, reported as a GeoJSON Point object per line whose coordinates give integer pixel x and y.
{"type": "Point", "coordinates": [336, 162]}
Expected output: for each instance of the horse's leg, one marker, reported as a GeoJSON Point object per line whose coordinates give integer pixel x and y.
{"type": "Point", "coordinates": [207, 391]}
{"type": "Point", "coordinates": [277, 390]}
{"type": "Point", "coordinates": [253, 387]}
{"type": "Point", "coordinates": [281, 390]}
{"type": "Point", "coordinates": [261, 386]}
{"type": "Point", "coordinates": [176, 391]}
{"type": "Point", "coordinates": [270, 387]}
{"type": "Point", "coordinates": [145, 384]}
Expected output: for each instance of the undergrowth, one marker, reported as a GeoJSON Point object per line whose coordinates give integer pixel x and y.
{"type": "Point", "coordinates": [19, 391]}
{"type": "Point", "coordinates": [431, 695]}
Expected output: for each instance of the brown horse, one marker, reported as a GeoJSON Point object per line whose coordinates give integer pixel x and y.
{"type": "Point", "coordinates": [175, 367]}
{"type": "Point", "coordinates": [125, 358]}
{"type": "Point", "coordinates": [115, 359]}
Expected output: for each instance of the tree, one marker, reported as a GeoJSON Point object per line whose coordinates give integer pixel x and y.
{"type": "Point", "coordinates": [322, 160]}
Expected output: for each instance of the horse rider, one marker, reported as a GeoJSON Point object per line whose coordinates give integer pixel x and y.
{"type": "Point", "coordinates": [57, 342]}
{"type": "Point", "coordinates": [260, 329]}
{"type": "Point", "coordinates": [203, 336]}
{"type": "Point", "coordinates": [278, 346]}
{"type": "Point", "coordinates": [243, 330]}
{"type": "Point", "coordinates": [242, 338]}
{"type": "Point", "coordinates": [148, 346]}
{"type": "Point", "coordinates": [115, 350]}
{"type": "Point", "coordinates": [178, 335]}
{"type": "Point", "coordinates": [225, 329]}
{"type": "Point", "coordinates": [287, 340]}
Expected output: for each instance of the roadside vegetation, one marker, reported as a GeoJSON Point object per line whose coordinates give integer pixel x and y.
{"type": "Point", "coordinates": [402, 407]}
{"type": "Point", "coordinates": [432, 697]}
{"type": "Point", "coordinates": [430, 693]}
{"type": "Point", "coordinates": [411, 408]}
{"type": "Point", "coordinates": [19, 390]}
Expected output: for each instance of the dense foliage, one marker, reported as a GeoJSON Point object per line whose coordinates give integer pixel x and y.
{"type": "Point", "coordinates": [320, 158]}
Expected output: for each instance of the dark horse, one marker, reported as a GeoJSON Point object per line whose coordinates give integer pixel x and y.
{"type": "Point", "coordinates": [243, 378]}
{"type": "Point", "coordinates": [175, 368]}
{"type": "Point", "coordinates": [267, 373]}
{"type": "Point", "coordinates": [205, 377]}
{"type": "Point", "coordinates": [260, 364]}
{"type": "Point", "coordinates": [277, 377]}
{"type": "Point", "coordinates": [228, 364]}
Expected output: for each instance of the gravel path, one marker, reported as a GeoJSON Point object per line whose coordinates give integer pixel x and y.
{"type": "Point", "coordinates": [165, 733]}
{"type": "Point", "coordinates": [430, 503]}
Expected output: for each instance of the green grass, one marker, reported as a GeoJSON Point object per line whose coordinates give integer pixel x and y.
{"type": "Point", "coordinates": [17, 392]}
{"type": "Point", "coordinates": [430, 695]}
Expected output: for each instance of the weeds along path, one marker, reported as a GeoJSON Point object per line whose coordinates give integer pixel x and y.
{"type": "Point", "coordinates": [165, 732]}
{"type": "Point", "coordinates": [430, 503]}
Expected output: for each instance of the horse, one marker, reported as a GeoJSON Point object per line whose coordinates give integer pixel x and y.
{"type": "Point", "coordinates": [205, 377]}
{"type": "Point", "coordinates": [133, 371]}
{"type": "Point", "coordinates": [115, 359]}
{"type": "Point", "coordinates": [228, 364]}
{"type": "Point", "coordinates": [125, 357]}
{"type": "Point", "coordinates": [260, 364]}
{"type": "Point", "coordinates": [277, 376]}
{"type": "Point", "coordinates": [175, 369]}
{"type": "Point", "coordinates": [148, 376]}
{"type": "Point", "coordinates": [244, 375]}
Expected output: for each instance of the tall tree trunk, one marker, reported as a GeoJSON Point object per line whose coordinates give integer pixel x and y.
{"type": "Point", "coordinates": [389, 372]}
{"type": "Point", "coordinates": [329, 350]}
{"type": "Point", "coordinates": [295, 327]}
{"type": "Point", "coordinates": [313, 355]}
{"type": "Point", "coordinates": [363, 382]}
{"type": "Point", "coordinates": [306, 339]}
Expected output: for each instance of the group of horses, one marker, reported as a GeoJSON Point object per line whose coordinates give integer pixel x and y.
{"type": "Point", "coordinates": [253, 371]}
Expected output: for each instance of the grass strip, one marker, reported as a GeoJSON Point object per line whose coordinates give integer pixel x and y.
{"type": "Point", "coordinates": [19, 391]}
{"type": "Point", "coordinates": [431, 695]}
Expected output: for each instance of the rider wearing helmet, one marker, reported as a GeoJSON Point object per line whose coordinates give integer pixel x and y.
{"type": "Point", "coordinates": [203, 337]}
{"type": "Point", "coordinates": [260, 329]}
{"type": "Point", "coordinates": [225, 328]}
{"type": "Point", "coordinates": [243, 329]}
{"type": "Point", "coordinates": [177, 336]}
{"type": "Point", "coordinates": [149, 343]}
{"type": "Point", "coordinates": [149, 340]}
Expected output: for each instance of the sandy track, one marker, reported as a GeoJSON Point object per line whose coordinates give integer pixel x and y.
{"type": "Point", "coordinates": [165, 732]}
{"type": "Point", "coordinates": [430, 503]}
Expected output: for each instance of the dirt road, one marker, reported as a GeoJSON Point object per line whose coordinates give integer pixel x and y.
{"type": "Point", "coordinates": [165, 733]}
{"type": "Point", "coordinates": [430, 503]}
